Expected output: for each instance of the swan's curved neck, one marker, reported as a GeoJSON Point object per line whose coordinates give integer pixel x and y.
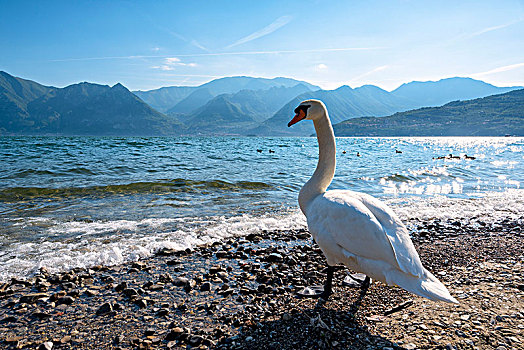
{"type": "Point", "coordinates": [325, 170]}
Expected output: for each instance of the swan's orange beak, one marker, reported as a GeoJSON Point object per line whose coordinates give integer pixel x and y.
{"type": "Point", "coordinates": [298, 117]}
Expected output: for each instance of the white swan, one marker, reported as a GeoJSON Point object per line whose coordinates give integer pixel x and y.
{"type": "Point", "coordinates": [356, 229]}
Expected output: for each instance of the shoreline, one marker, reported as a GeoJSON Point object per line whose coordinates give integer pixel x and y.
{"type": "Point", "coordinates": [240, 294]}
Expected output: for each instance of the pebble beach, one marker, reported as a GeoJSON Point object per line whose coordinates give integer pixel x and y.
{"type": "Point", "coordinates": [241, 294]}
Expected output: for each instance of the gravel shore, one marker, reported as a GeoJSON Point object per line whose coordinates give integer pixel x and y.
{"type": "Point", "coordinates": [241, 294]}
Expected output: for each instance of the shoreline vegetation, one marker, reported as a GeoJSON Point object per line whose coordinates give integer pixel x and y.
{"type": "Point", "coordinates": [241, 294]}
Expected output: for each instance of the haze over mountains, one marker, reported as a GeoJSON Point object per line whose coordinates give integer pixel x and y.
{"type": "Point", "coordinates": [226, 106]}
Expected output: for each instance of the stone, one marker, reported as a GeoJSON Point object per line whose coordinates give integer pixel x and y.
{"type": "Point", "coordinates": [105, 309]}
{"type": "Point", "coordinates": [205, 287]}
{"type": "Point", "coordinates": [175, 334]}
{"type": "Point", "coordinates": [180, 281]}
{"type": "Point", "coordinates": [67, 300]}
{"type": "Point", "coordinates": [32, 297]}
{"type": "Point", "coordinates": [130, 292]}
{"type": "Point", "coordinates": [48, 345]}
{"type": "Point", "coordinates": [66, 339]}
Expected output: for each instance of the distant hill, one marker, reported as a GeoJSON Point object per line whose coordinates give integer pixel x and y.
{"type": "Point", "coordinates": [165, 99]}
{"type": "Point", "coordinates": [368, 100]}
{"type": "Point", "coordinates": [241, 111]}
{"type": "Point", "coordinates": [236, 106]}
{"type": "Point", "coordinates": [15, 94]}
{"type": "Point", "coordinates": [496, 115]}
{"type": "Point", "coordinates": [437, 93]}
{"type": "Point", "coordinates": [220, 117]}
{"type": "Point", "coordinates": [84, 109]}
{"type": "Point", "coordinates": [342, 103]}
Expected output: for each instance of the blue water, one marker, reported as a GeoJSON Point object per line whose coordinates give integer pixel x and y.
{"type": "Point", "coordinates": [79, 201]}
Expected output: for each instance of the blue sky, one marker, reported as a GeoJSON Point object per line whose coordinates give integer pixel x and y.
{"type": "Point", "coordinates": [150, 44]}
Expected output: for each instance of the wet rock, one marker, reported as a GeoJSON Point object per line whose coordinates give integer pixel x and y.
{"type": "Point", "coordinates": [195, 340]}
{"type": "Point", "coordinates": [32, 298]}
{"type": "Point", "coordinates": [175, 334]}
{"type": "Point", "coordinates": [105, 309]}
{"type": "Point", "coordinates": [121, 286]}
{"type": "Point", "coordinates": [67, 300]}
{"type": "Point", "coordinates": [274, 257]}
{"type": "Point", "coordinates": [165, 278]}
{"type": "Point", "coordinates": [162, 312]}
{"type": "Point", "coordinates": [142, 303]}
{"type": "Point", "coordinates": [41, 315]}
{"type": "Point", "coordinates": [205, 287]}
{"type": "Point", "coordinates": [180, 281]}
{"type": "Point", "coordinates": [130, 292]}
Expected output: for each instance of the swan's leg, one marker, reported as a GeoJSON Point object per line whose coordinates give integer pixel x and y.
{"type": "Point", "coordinates": [328, 286]}
{"type": "Point", "coordinates": [366, 283]}
{"type": "Point", "coordinates": [319, 291]}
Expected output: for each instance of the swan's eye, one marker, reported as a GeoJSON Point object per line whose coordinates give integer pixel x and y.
{"type": "Point", "coordinates": [303, 108]}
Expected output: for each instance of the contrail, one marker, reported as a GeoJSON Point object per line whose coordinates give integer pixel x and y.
{"type": "Point", "coordinates": [269, 52]}
{"type": "Point", "coordinates": [279, 22]}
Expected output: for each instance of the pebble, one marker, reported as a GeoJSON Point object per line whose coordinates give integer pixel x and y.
{"type": "Point", "coordinates": [105, 309]}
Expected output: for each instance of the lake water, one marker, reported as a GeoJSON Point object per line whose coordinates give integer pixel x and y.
{"type": "Point", "coordinates": [78, 201]}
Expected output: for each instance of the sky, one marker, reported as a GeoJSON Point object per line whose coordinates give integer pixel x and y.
{"type": "Point", "coordinates": [150, 44]}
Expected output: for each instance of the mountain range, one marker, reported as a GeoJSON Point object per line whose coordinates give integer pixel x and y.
{"type": "Point", "coordinates": [496, 115]}
{"type": "Point", "coordinates": [27, 107]}
{"type": "Point", "coordinates": [226, 106]}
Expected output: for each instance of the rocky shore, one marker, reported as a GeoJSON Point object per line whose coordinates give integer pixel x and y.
{"type": "Point", "coordinates": [241, 294]}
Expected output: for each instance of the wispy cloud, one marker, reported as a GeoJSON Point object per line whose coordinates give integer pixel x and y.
{"type": "Point", "coordinates": [374, 70]}
{"type": "Point", "coordinates": [499, 70]}
{"type": "Point", "coordinates": [278, 23]}
{"type": "Point", "coordinates": [240, 53]}
{"type": "Point", "coordinates": [321, 66]}
{"type": "Point", "coordinates": [490, 29]}
{"type": "Point", "coordinates": [171, 62]}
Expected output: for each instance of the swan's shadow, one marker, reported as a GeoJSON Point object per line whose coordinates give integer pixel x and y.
{"type": "Point", "coordinates": [319, 327]}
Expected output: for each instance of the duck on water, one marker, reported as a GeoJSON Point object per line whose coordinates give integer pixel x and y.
{"type": "Point", "coordinates": [356, 229]}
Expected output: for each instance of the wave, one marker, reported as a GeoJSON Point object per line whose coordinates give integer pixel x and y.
{"type": "Point", "coordinates": [117, 241]}
{"type": "Point", "coordinates": [15, 194]}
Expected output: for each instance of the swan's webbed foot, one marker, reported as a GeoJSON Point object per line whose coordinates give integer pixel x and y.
{"type": "Point", "coordinates": [357, 280]}
{"type": "Point", "coordinates": [323, 292]}
{"type": "Point", "coordinates": [314, 292]}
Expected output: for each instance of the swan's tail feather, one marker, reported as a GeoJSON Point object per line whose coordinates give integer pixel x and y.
{"type": "Point", "coordinates": [427, 286]}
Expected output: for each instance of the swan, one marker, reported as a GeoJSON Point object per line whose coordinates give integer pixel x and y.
{"type": "Point", "coordinates": [356, 229]}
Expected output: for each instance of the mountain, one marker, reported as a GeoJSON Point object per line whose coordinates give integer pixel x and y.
{"type": "Point", "coordinates": [164, 98]}
{"type": "Point", "coordinates": [79, 109]}
{"type": "Point", "coordinates": [437, 93]}
{"type": "Point", "coordinates": [220, 117]}
{"type": "Point", "coordinates": [368, 100]}
{"type": "Point", "coordinates": [204, 93]}
{"type": "Point", "coordinates": [15, 94]}
{"type": "Point", "coordinates": [495, 115]}
{"type": "Point", "coordinates": [342, 103]}
{"type": "Point", "coordinates": [236, 113]}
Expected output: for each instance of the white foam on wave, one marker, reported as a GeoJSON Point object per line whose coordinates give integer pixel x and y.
{"type": "Point", "coordinates": [118, 241]}
{"type": "Point", "coordinates": [115, 242]}
{"type": "Point", "coordinates": [489, 207]}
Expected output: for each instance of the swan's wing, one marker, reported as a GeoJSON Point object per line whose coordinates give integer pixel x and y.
{"type": "Point", "coordinates": [397, 234]}
{"type": "Point", "coordinates": [362, 226]}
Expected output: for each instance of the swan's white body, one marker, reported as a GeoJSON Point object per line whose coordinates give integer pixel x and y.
{"type": "Point", "coordinates": [356, 229]}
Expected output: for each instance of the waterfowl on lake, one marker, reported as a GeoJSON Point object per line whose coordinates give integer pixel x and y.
{"type": "Point", "coordinates": [356, 229]}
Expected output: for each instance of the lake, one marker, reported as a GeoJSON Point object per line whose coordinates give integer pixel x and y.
{"type": "Point", "coordinates": [70, 202]}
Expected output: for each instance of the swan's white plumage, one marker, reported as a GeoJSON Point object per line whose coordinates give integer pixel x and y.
{"type": "Point", "coordinates": [358, 230]}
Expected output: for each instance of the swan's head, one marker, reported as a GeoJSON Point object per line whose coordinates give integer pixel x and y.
{"type": "Point", "coordinates": [309, 109]}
